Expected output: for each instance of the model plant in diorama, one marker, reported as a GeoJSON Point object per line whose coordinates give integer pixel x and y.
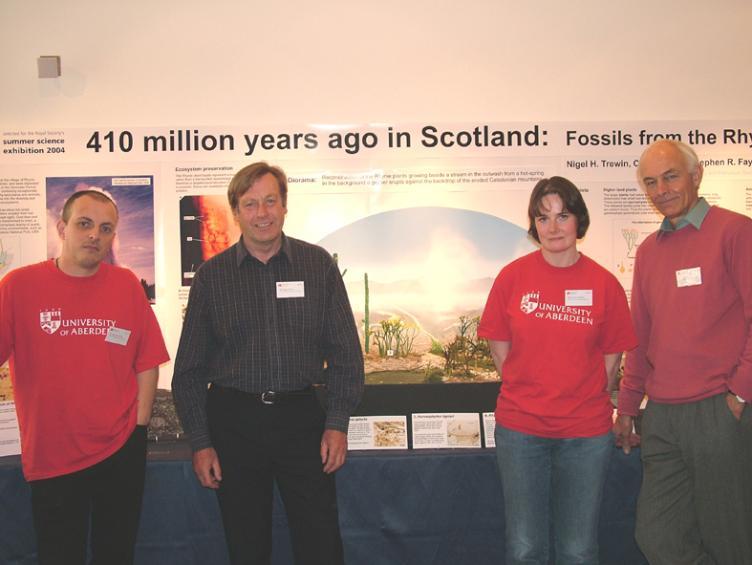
{"type": "Point", "coordinates": [480, 352]}
{"type": "Point", "coordinates": [335, 257]}
{"type": "Point", "coordinates": [450, 352]}
{"type": "Point", "coordinates": [466, 349]}
{"type": "Point", "coordinates": [433, 375]}
{"type": "Point", "coordinates": [405, 337]}
{"type": "Point", "coordinates": [366, 317]}
{"type": "Point", "coordinates": [384, 338]}
{"type": "Point", "coordinates": [394, 338]}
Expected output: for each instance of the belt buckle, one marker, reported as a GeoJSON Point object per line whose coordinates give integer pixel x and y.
{"type": "Point", "coordinates": [268, 397]}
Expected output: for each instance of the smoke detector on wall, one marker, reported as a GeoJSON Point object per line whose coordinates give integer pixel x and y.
{"type": "Point", "coordinates": [48, 66]}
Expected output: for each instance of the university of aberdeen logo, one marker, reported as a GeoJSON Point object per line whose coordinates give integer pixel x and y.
{"type": "Point", "coordinates": [529, 302]}
{"type": "Point", "coordinates": [49, 321]}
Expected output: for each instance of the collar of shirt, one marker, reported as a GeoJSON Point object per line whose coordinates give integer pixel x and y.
{"type": "Point", "coordinates": [694, 217]}
{"type": "Point", "coordinates": [241, 253]}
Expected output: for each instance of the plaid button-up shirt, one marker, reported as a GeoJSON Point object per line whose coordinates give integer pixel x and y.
{"type": "Point", "coordinates": [239, 332]}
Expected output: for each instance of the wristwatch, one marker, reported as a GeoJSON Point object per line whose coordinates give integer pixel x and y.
{"type": "Point", "coordinates": [739, 398]}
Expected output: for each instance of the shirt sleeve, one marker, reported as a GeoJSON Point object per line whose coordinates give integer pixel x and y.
{"type": "Point", "coordinates": [494, 322]}
{"type": "Point", "coordinates": [344, 357]}
{"type": "Point", "coordinates": [618, 333]}
{"type": "Point", "coordinates": [6, 319]}
{"type": "Point", "coordinates": [739, 261]}
{"type": "Point", "coordinates": [191, 374]}
{"type": "Point", "coordinates": [636, 367]}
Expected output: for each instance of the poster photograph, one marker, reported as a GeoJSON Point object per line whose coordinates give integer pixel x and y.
{"type": "Point", "coordinates": [377, 432]}
{"type": "Point", "coordinates": [133, 246]}
{"type": "Point", "coordinates": [440, 431]}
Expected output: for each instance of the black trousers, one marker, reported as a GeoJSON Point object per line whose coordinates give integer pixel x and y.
{"type": "Point", "coordinates": [108, 494]}
{"type": "Point", "coordinates": [258, 444]}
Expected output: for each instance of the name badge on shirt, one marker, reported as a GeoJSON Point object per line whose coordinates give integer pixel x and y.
{"type": "Point", "coordinates": [291, 289]}
{"type": "Point", "coordinates": [118, 336]}
{"type": "Point", "coordinates": [688, 277]}
{"type": "Point", "coordinates": [578, 297]}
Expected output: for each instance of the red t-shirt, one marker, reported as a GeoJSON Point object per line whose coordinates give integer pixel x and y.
{"type": "Point", "coordinates": [74, 379]}
{"type": "Point", "coordinates": [560, 322]}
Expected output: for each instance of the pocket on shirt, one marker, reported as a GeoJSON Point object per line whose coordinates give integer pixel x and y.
{"type": "Point", "coordinates": [297, 313]}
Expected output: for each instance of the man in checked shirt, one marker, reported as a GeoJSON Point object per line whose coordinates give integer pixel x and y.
{"type": "Point", "coordinates": [266, 319]}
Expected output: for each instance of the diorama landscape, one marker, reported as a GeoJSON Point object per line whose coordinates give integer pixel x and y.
{"type": "Point", "coordinates": [418, 279]}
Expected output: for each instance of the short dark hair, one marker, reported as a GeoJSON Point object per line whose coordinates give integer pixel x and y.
{"type": "Point", "coordinates": [249, 174]}
{"type": "Point", "coordinates": [570, 197]}
{"type": "Point", "coordinates": [95, 193]}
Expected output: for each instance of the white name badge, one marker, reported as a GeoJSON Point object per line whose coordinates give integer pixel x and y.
{"type": "Point", "coordinates": [118, 336]}
{"type": "Point", "coordinates": [578, 297]}
{"type": "Point", "coordinates": [291, 289]}
{"type": "Point", "coordinates": [688, 277]}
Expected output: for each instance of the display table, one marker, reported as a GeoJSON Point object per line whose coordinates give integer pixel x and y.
{"type": "Point", "coordinates": [396, 508]}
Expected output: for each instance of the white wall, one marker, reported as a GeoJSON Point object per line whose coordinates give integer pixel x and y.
{"type": "Point", "coordinates": [165, 62]}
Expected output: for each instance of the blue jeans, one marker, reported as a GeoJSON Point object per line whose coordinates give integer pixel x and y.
{"type": "Point", "coordinates": [549, 482]}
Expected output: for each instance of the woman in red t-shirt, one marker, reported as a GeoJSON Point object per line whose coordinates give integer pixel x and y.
{"type": "Point", "coordinates": [557, 324]}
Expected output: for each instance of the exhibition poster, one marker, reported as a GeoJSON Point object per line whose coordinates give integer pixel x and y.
{"type": "Point", "coordinates": [420, 217]}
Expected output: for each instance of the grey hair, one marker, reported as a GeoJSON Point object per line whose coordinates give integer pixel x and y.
{"type": "Point", "coordinates": [690, 157]}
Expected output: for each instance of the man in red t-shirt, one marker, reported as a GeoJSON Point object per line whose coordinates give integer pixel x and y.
{"type": "Point", "coordinates": [84, 349]}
